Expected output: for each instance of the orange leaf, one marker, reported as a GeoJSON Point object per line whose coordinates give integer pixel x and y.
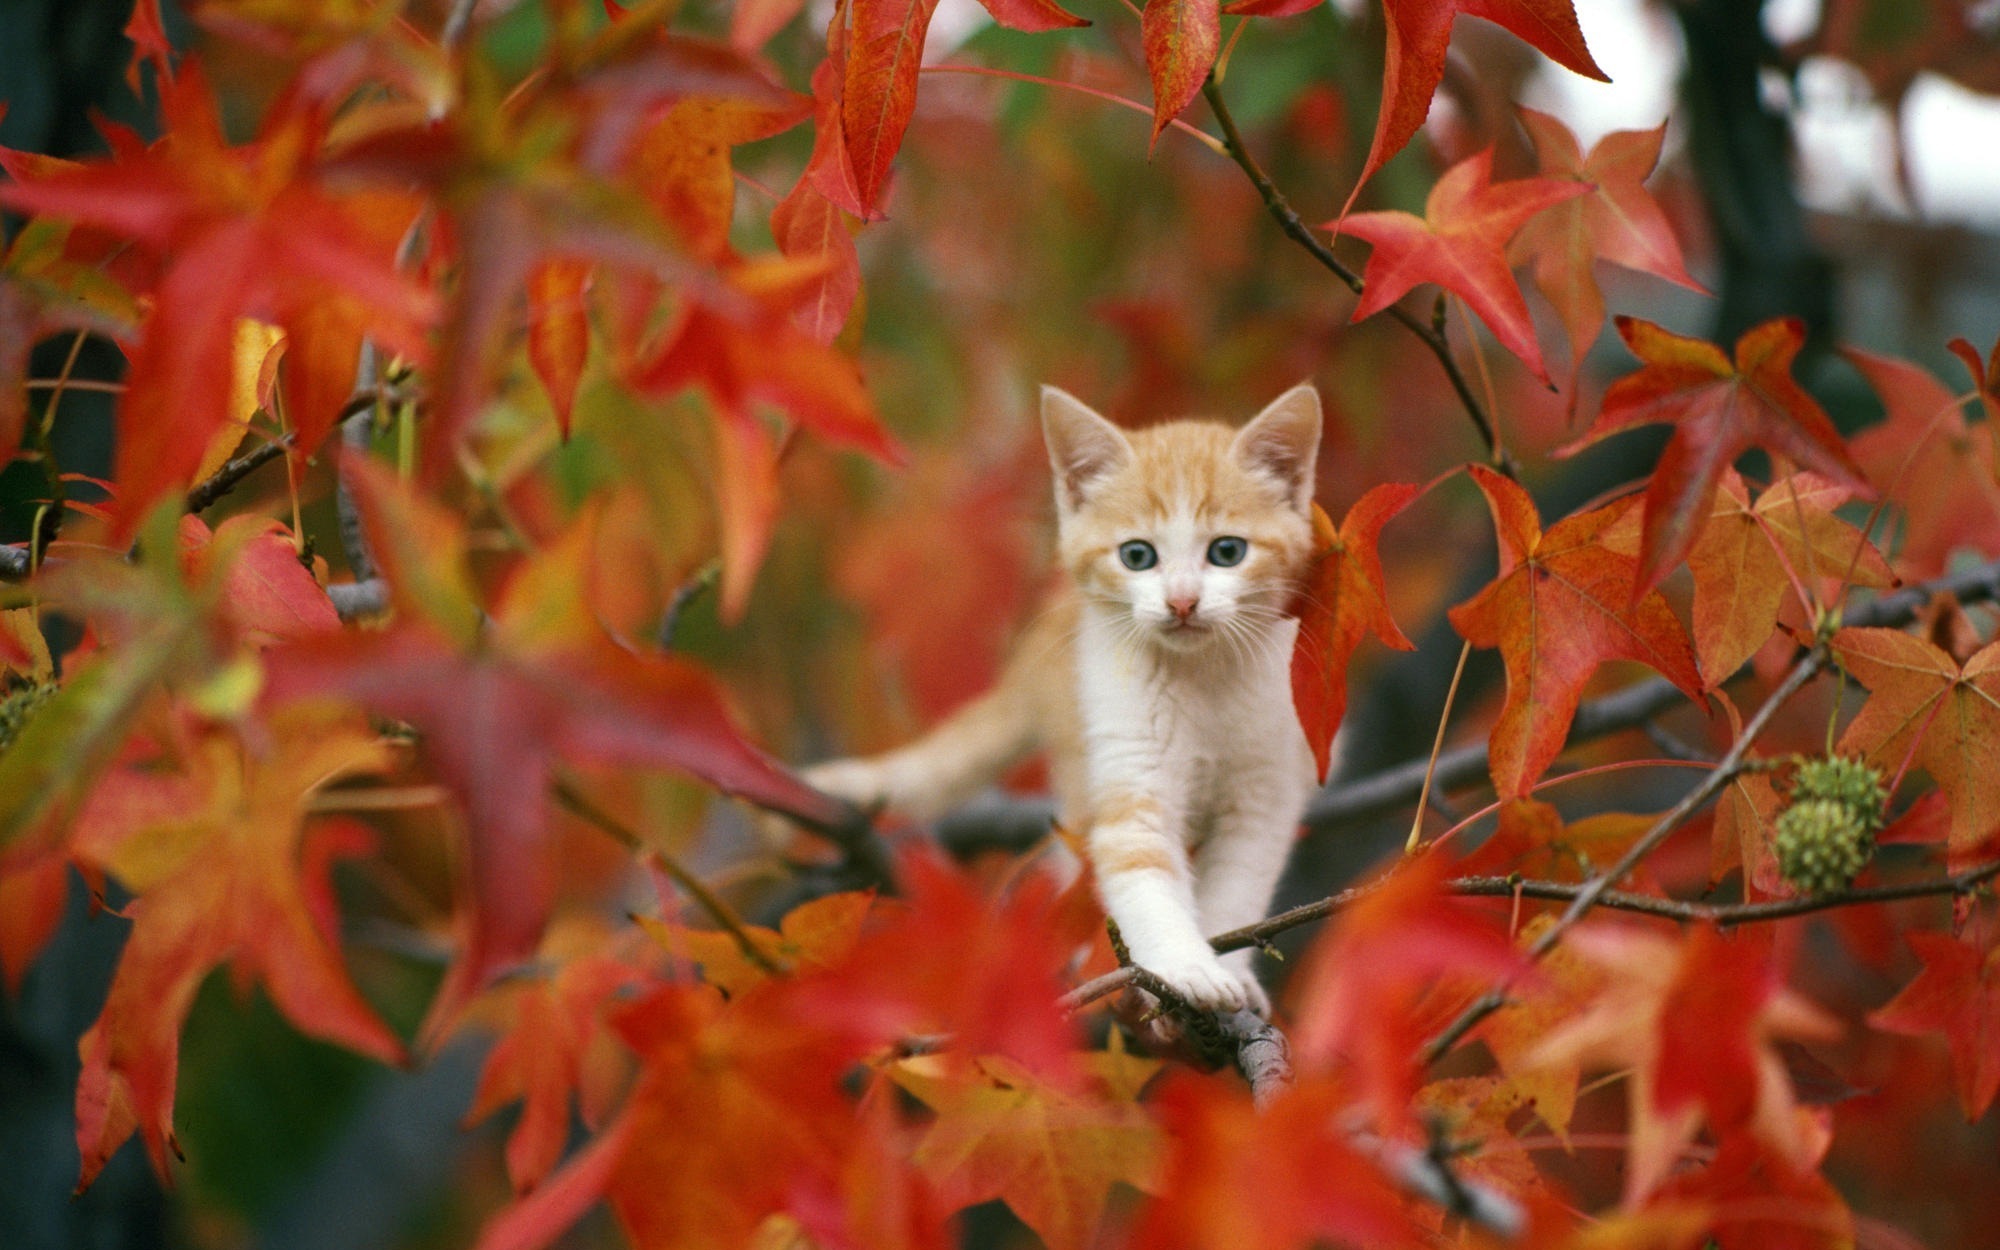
{"type": "Point", "coordinates": [1719, 409]}
{"type": "Point", "coordinates": [1927, 459]}
{"type": "Point", "coordinates": [1695, 1020]}
{"type": "Point", "coordinates": [1957, 994]}
{"type": "Point", "coordinates": [559, 331]}
{"type": "Point", "coordinates": [1460, 243]}
{"type": "Point", "coordinates": [806, 224]}
{"type": "Point", "coordinates": [1616, 221]}
{"type": "Point", "coordinates": [226, 872]}
{"type": "Point", "coordinates": [1419, 34]}
{"type": "Point", "coordinates": [1341, 601]}
{"type": "Point", "coordinates": [1051, 1154]}
{"type": "Point", "coordinates": [880, 91]}
{"type": "Point", "coordinates": [1284, 1174]}
{"type": "Point", "coordinates": [1181, 38]}
{"type": "Point", "coordinates": [1563, 604]}
{"type": "Point", "coordinates": [1746, 557]}
{"type": "Point", "coordinates": [1926, 710]}
{"type": "Point", "coordinates": [1376, 984]}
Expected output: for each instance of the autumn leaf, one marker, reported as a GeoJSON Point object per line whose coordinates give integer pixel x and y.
{"type": "Point", "coordinates": [884, 52]}
{"type": "Point", "coordinates": [1565, 982]}
{"type": "Point", "coordinates": [1719, 409]}
{"type": "Point", "coordinates": [1753, 1197]}
{"type": "Point", "coordinates": [1957, 994]}
{"type": "Point", "coordinates": [814, 935]}
{"type": "Point", "coordinates": [1617, 220]}
{"type": "Point", "coordinates": [947, 959]}
{"type": "Point", "coordinates": [1387, 974]}
{"type": "Point", "coordinates": [213, 841]}
{"type": "Point", "coordinates": [1748, 555]}
{"type": "Point", "coordinates": [559, 332]}
{"type": "Point", "coordinates": [1283, 1174]}
{"type": "Point", "coordinates": [1696, 1021]}
{"type": "Point", "coordinates": [1341, 601]}
{"type": "Point", "coordinates": [1419, 35]}
{"type": "Point", "coordinates": [555, 1048]}
{"type": "Point", "coordinates": [746, 356]}
{"type": "Point", "coordinates": [1564, 603]}
{"type": "Point", "coordinates": [34, 890]}
{"type": "Point", "coordinates": [548, 686]}
{"type": "Point", "coordinates": [763, 1083]}
{"type": "Point", "coordinates": [1926, 710]}
{"type": "Point", "coordinates": [1933, 465]}
{"type": "Point", "coordinates": [1181, 38]}
{"type": "Point", "coordinates": [806, 225]}
{"type": "Point", "coordinates": [683, 163]}
{"type": "Point", "coordinates": [1052, 1155]}
{"type": "Point", "coordinates": [241, 231]}
{"type": "Point", "coordinates": [1460, 243]}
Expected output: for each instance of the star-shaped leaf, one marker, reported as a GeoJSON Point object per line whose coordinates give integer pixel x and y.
{"type": "Point", "coordinates": [1563, 604]}
{"type": "Point", "coordinates": [1342, 601]}
{"type": "Point", "coordinates": [1617, 220]}
{"type": "Point", "coordinates": [1927, 459]}
{"type": "Point", "coordinates": [1720, 408]}
{"type": "Point", "coordinates": [1420, 35]}
{"type": "Point", "coordinates": [1957, 994]}
{"type": "Point", "coordinates": [215, 845]}
{"type": "Point", "coordinates": [1051, 1154]}
{"type": "Point", "coordinates": [1460, 243]}
{"type": "Point", "coordinates": [1926, 710]}
{"type": "Point", "coordinates": [1749, 554]}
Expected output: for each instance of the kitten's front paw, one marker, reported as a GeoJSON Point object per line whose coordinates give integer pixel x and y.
{"type": "Point", "coordinates": [1201, 981]}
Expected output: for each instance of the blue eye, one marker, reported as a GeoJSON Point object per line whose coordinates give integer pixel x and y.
{"type": "Point", "coordinates": [1225, 552]}
{"type": "Point", "coordinates": [1137, 554]}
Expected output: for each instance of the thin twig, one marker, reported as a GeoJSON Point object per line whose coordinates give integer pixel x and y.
{"type": "Point", "coordinates": [1707, 788]}
{"type": "Point", "coordinates": [1296, 229]}
{"type": "Point", "coordinates": [684, 594]}
{"type": "Point", "coordinates": [205, 493]}
{"type": "Point", "coordinates": [725, 917]}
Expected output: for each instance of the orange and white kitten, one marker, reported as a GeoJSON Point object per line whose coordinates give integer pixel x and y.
{"type": "Point", "coordinates": [1157, 682]}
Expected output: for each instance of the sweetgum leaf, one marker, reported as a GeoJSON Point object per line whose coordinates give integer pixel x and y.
{"type": "Point", "coordinates": [1460, 243]}
{"type": "Point", "coordinates": [1957, 994]}
{"type": "Point", "coordinates": [1720, 408]}
{"type": "Point", "coordinates": [1564, 603]}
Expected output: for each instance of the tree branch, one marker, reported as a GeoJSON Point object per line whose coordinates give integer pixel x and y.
{"type": "Point", "coordinates": [1295, 228]}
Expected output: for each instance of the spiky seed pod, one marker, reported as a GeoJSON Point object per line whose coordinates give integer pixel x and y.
{"type": "Point", "coordinates": [1826, 834]}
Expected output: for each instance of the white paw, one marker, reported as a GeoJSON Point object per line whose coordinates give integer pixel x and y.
{"type": "Point", "coordinates": [1201, 981]}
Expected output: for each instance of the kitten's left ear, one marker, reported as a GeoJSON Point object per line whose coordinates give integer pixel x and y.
{"type": "Point", "coordinates": [1282, 443]}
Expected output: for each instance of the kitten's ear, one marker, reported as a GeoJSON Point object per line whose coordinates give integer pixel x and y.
{"type": "Point", "coordinates": [1083, 447]}
{"type": "Point", "coordinates": [1282, 443]}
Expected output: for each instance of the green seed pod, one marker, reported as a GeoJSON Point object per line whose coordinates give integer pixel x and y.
{"type": "Point", "coordinates": [1849, 782]}
{"type": "Point", "coordinates": [1822, 844]}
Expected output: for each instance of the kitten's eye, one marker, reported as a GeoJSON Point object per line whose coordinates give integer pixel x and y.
{"type": "Point", "coordinates": [1137, 554]}
{"type": "Point", "coordinates": [1225, 552]}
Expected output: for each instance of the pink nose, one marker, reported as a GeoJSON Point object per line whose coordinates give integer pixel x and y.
{"type": "Point", "coordinates": [1183, 608]}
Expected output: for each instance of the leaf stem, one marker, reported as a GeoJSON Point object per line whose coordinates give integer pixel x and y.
{"type": "Point", "coordinates": [1207, 140]}
{"type": "Point", "coordinates": [1296, 229]}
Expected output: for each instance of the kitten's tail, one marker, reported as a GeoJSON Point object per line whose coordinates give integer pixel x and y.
{"type": "Point", "coordinates": [1029, 708]}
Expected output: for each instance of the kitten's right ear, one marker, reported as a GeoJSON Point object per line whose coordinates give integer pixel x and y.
{"type": "Point", "coordinates": [1084, 448]}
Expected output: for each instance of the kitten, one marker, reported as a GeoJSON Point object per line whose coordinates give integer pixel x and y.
{"type": "Point", "coordinates": [1157, 682]}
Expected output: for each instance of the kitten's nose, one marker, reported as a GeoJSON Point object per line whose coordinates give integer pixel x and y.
{"type": "Point", "coordinates": [1184, 606]}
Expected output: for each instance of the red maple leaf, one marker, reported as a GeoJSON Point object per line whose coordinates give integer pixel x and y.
{"type": "Point", "coordinates": [1616, 221]}
{"type": "Point", "coordinates": [746, 353]}
{"type": "Point", "coordinates": [1926, 710]}
{"type": "Point", "coordinates": [241, 231]}
{"type": "Point", "coordinates": [1719, 409]}
{"type": "Point", "coordinates": [1564, 602]}
{"type": "Point", "coordinates": [1957, 994]}
{"type": "Point", "coordinates": [499, 709]}
{"type": "Point", "coordinates": [1927, 459]}
{"type": "Point", "coordinates": [1283, 1174]}
{"type": "Point", "coordinates": [1695, 1020]}
{"type": "Point", "coordinates": [1181, 39]}
{"type": "Point", "coordinates": [1340, 602]}
{"type": "Point", "coordinates": [1389, 972]}
{"type": "Point", "coordinates": [1460, 243]}
{"type": "Point", "coordinates": [1419, 34]}
{"type": "Point", "coordinates": [212, 839]}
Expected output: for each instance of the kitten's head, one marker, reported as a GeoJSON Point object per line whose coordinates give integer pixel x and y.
{"type": "Point", "coordinates": [1194, 532]}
